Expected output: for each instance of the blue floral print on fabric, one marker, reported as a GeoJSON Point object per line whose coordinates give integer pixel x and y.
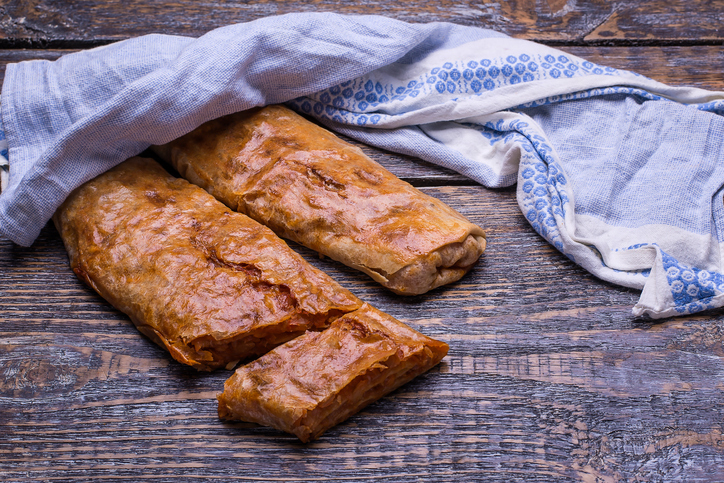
{"type": "Point", "coordinates": [543, 191]}
{"type": "Point", "coordinates": [356, 102]}
{"type": "Point", "coordinates": [693, 289]}
{"type": "Point", "coordinates": [3, 143]}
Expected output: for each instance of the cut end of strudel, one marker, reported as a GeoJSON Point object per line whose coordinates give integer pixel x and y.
{"type": "Point", "coordinates": [315, 381]}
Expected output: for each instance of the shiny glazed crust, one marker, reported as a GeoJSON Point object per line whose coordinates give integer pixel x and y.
{"type": "Point", "coordinates": [314, 382]}
{"type": "Point", "coordinates": [308, 185]}
{"type": "Point", "coordinates": [210, 285]}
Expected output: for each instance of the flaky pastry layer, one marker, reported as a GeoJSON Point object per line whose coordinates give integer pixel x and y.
{"type": "Point", "coordinates": [308, 185]}
{"type": "Point", "coordinates": [314, 382]}
{"type": "Point", "coordinates": [210, 285]}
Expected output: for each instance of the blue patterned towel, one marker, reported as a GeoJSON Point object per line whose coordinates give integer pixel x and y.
{"type": "Point", "coordinates": [622, 174]}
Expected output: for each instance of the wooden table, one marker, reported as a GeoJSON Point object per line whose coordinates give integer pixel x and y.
{"type": "Point", "coordinates": [549, 376]}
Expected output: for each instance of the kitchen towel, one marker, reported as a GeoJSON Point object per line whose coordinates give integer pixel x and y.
{"type": "Point", "coordinates": [622, 174]}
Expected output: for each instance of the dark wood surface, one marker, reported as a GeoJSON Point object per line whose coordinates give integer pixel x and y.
{"type": "Point", "coordinates": [549, 376]}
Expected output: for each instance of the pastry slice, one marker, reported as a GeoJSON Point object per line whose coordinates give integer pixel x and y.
{"type": "Point", "coordinates": [210, 285]}
{"type": "Point", "coordinates": [314, 382]}
{"type": "Point", "coordinates": [309, 186]}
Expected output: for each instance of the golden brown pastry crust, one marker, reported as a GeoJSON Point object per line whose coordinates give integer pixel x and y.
{"type": "Point", "coordinates": [210, 285]}
{"type": "Point", "coordinates": [308, 185]}
{"type": "Point", "coordinates": [312, 383]}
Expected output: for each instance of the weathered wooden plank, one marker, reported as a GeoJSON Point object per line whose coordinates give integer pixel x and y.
{"type": "Point", "coordinates": [698, 66]}
{"type": "Point", "coordinates": [49, 22]}
{"type": "Point", "coordinates": [549, 378]}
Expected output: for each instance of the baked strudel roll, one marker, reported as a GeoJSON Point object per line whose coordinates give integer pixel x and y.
{"type": "Point", "coordinates": [211, 285]}
{"type": "Point", "coordinates": [309, 186]}
{"type": "Point", "coordinates": [314, 382]}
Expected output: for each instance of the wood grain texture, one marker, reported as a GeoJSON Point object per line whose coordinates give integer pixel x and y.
{"type": "Point", "coordinates": [62, 23]}
{"type": "Point", "coordinates": [549, 376]}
